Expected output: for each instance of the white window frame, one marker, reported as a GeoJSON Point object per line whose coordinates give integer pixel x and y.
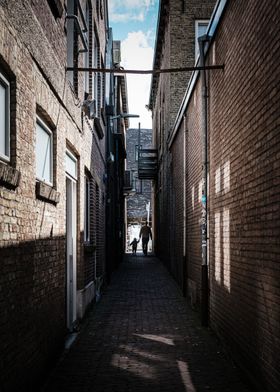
{"type": "Point", "coordinates": [5, 83]}
{"type": "Point", "coordinates": [197, 23]}
{"type": "Point", "coordinates": [75, 161]}
{"type": "Point", "coordinates": [87, 231]}
{"type": "Point", "coordinates": [47, 130]}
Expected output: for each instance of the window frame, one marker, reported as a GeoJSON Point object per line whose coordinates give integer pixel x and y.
{"type": "Point", "coordinates": [70, 41]}
{"type": "Point", "coordinates": [88, 54]}
{"type": "Point", "coordinates": [197, 23]}
{"type": "Point", "coordinates": [87, 214]}
{"type": "Point", "coordinates": [95, 65]}
{"type": "Point", "coordinates": [47, 129]}
{"type": "Point", "coordinates": [6, 84]}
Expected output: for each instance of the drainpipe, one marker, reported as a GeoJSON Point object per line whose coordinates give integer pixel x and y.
{"type": "Point", "coordinates": [204, 133]}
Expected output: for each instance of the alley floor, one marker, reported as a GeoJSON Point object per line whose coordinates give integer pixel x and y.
{"type": "Point", "coordinates": [142, 336]}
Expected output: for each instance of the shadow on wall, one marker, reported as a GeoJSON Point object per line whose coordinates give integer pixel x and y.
{"type": "Point", "coordinates": [243, 282]}
{"type": "Point", "coordinates": [32, 307]}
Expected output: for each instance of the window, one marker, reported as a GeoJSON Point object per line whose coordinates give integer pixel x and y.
{"type": "Point", "coordinates": [95, 65]}
{"type": "Point", "coordinates": [200, 29]}
{"type": "Point", "coordinates": [88, 53]}
{"type": "Point", "coordinates": [4, 118]}
{"type": "Point", "coordinates": [71, 165]}
{"type": "Point", "coordinates": [87, 210]}
{"type": "Point", "coordinates": [44, 152]}
{"type": "Point", "coordinates": [70, 40]}
{"type": "Point", "coordinates": [103, 81]}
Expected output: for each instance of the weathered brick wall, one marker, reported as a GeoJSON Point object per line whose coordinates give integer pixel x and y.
{"type": "Point", "coordinates": [32, 236]}
{"type": "Point", "coordinates": [182, 45]}
{"type": "Point", "coordinates": [161, 127]}
{"type": "Point", "coordinates": [193, 197]}
{"type": "Point", "coordinates": [178, 50]}
{"type": "Point", "coordinates": [244, 190]}
{"type": "Point", "coordinates": [177, 211]}
{"type": "Point", "coordinates": [244, 187]}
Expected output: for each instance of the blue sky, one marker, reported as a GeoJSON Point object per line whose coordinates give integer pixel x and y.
{"type": "Point", "coordinates": [129, 15]}
{"type": "Point", "coordinates": [134, 23]}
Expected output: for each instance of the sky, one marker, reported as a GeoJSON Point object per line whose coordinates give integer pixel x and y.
{"type": "Point", "coordinates": [134, 23]}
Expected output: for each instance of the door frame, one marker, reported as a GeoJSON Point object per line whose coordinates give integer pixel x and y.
{"type": "Point", "coordinates": [71, 243]}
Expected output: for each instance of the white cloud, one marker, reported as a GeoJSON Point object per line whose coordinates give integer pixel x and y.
{"type": "Point", "coordinates": [133, 10]}
{"type": "Point", "coordinates": [137, 54]}
{"type": "Point", "coordinates": [130, 4]}
{"type": "Point", "coordinates": [121, 18]}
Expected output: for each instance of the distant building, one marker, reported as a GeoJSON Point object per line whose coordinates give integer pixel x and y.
{"type": "Point", "coordinates": [138, 204]}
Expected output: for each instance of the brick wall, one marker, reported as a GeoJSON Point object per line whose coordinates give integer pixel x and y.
{"type": "Point", "coordinates": [244, 188]}
{"type": "Point", "coordinates": [32, 236]}
{"type": "Point", "coordinates": [182, 45]}
{"type": "Point", "coordinates": [177, 50]}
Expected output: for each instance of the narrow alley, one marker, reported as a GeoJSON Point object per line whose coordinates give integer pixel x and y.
{"type": "Point", "coordinates": [142, 336]}
{"type": "Point", "coordinates": [148, 126]}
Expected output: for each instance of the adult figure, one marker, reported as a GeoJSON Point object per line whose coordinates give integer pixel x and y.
{"type": "Point", "coordinates": [146, 234]}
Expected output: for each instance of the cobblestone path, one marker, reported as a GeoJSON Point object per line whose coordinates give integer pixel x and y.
{"type": "Point", "coordinates": [142, 337]}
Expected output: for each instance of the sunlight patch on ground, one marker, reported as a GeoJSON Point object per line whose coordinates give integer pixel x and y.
{"type": "Point", "coordinates": [160, 339]}
{"type": "Point", "coordinates": [141, 353]}
{"type": "Point", "coordinates": [131, 365]}
{"type": "Point", "coordinates": [186, 377]}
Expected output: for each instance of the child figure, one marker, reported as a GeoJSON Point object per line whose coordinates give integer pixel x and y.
{"type": "Point", "coordinates": [134, 246]}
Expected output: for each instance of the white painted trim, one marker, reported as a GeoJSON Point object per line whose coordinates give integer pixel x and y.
{"type": "Point", "coordinates": [48, 130]}
{"type": "Point", "coordinates": [5, 83]}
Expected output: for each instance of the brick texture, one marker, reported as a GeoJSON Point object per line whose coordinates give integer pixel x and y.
{"type": "Point", "coordinates": [32, 236]}
{"type": "Point", "coordinates": [244, 195]}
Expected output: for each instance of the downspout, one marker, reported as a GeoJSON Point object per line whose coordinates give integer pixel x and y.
{"type": "Point", "coordinates": [204, 139]}
{"type": "Point", "coordinates": [185, 210]}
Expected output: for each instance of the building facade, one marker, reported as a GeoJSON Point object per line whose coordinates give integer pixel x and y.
{"type": "Point", "coordinates": [52, 178]}
{"type": "Point", "coordinates": [138, 203]}
{"type": "Point", "coordinates": [242, 199]}
{"type": "Point", "coordinates": [179, 25]}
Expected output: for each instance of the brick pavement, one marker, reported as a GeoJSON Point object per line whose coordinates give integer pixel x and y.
{"type": "Point", "coordinates": [142, 336]}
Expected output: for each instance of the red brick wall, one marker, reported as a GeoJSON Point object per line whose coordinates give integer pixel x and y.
{"type": "Point", "coordinates": [244, 154]}
{"type": "Point", "coordinates": [244, 192]}
{"type": "Point", "coordinates": [178, 50]}
{"type": "Point", "coordinates": [32, 235]}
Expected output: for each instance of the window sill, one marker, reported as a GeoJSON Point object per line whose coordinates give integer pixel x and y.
{"type": "Point", "coordinates": [9, 177]}
{"type": "Point", "coordinates": [47, 193]}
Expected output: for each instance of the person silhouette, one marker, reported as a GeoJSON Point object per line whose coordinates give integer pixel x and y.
{"type": "Point", "coordinates": [146, 234]}
{"type": "Point", "coordinates": [134, 246]}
